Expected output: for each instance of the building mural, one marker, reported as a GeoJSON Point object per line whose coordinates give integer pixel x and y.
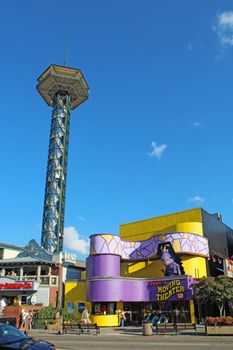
{"type": "Point", "coordinates": [171, 260]}
{"type": "Point", "coordinates": [182, 242]}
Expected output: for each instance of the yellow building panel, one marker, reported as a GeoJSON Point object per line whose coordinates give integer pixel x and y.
{"type": "Point", "coordinates": [143, 269]}
{"type": "Point", "coordinates": [75, 291]}
{"type": "Point", "coordinates": [145, 229]}
{"type": "Point", "coordinates": [194, 266]}
{"type": "Point", "coordinates": [83, 275]}
{"type": "Point", "coordinates": [105, 320]}
{"type": "Point", "coordinates": [192, 311]}
{"type": "Point", "coordinates": [192, 227]}
{"type": "Point", "coordinates": [134, 267]}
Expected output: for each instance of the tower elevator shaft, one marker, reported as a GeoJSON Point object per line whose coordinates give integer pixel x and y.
{"type": "Point", "coordinates": [55, 189]}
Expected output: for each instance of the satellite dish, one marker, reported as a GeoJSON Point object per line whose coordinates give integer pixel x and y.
{"type": "Point", "coordinates": [33, 299]}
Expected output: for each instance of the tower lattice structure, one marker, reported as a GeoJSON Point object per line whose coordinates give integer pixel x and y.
{"type": "Point", "coordinates": [63, 89]}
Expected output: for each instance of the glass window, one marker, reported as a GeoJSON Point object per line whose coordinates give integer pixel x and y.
{"type": "Point", "coordinates": [81, 307]}
{"type": "Point", "coordinates": [70, 307]}
{"type": "Point", "coordinates": [104, 308]}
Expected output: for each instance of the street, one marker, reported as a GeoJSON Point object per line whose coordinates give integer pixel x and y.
{"type": "Point", "coordinates": [124, 340]}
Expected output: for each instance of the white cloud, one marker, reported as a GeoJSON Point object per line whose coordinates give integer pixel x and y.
{"type": "Point", "coordinates": [157, 150]}
{"type": "Point", "coordinates": [82, 218]}
{"type": "Point", "coordinates": [74, 242]}
{"type": "Point", "coordinates": [196, 125]}
{"type": "Point", "coordinates": [190, 47]}
{"type": "Point", "coordinates": [196, 199]}
{"type": "Point", "coordinates": [226, 19]}
{"type": "Point", "coordinates": [224, 28]}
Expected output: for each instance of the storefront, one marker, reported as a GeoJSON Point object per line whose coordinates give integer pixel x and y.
{"type": "Point", "coordinates": [138, 297]}
{"type": "Point", "coordinates": [14, 292]}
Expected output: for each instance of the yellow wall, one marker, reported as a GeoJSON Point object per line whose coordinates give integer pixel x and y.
{"type": "Point", "coordinates": [194, 266]}
{"type": "Point", "coordinates": [76, 292]}
{"type": "Point", "coordinates": [142, 269]}
{"type": "Point", "coordinates": [105, 320]}
{"type": "Point", "coordinates": [188, 221]}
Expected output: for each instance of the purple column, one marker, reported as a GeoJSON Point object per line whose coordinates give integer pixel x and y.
{"type": "Point", "coordinates": [105, 265]}
{"type": "Point", "coordinates": [125, 289]}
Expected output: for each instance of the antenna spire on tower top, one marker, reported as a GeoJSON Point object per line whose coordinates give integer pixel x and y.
{"type": "Point", "coordinates": [65, 55]}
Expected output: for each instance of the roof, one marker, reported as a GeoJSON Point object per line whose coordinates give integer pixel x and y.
{"type": "Point", "coordinates": [10, 246]}
{"type": "Point", "coordinates": [80, 263]}
{"type": "Point", "coordinates": [25, 260]}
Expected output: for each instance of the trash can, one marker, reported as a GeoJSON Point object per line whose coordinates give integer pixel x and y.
{"type": "Point", "coordinates": [147, 328]}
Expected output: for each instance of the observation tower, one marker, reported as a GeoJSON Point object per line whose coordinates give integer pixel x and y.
{"type": "Point", "coordinates": [63, 89]}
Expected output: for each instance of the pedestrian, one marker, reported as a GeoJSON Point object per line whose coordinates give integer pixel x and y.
{"type": "Point", "coordinates": [123, 320]}
{"type": "Point", "coordinates": [85, 317]}
{"type": "Point", "coordinates": [162, 318]}
{"type": "Point", "coordinates": [29, 319]}
{"type": "Point", "coordinates": [154, 319]}
{"type": "Point", "coordinates": [23, 320]}
{"type": "Point", "coordinates": [176, 314]}
{"type": "Point", "coordinates": [3, 303]}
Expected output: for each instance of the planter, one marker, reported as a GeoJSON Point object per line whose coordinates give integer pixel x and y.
{"type": "Point", "coordinates": [219, 330]}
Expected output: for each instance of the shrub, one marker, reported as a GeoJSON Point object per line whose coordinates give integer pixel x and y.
{"type": "Point", "coordinates": [219, 321]}
{"type": "Point", "coordinates": [47, 315]}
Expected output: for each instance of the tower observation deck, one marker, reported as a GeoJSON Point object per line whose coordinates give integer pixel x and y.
{"type": "Point", "coordinates": [63, 89]}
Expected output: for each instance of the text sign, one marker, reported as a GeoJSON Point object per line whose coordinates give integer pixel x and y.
{"type": "Point", "coordinates": [23, 285]}
{"type": "Point", "coordinates": [228, 267]}
{"type": "Point", "coordinates": [177, 289]}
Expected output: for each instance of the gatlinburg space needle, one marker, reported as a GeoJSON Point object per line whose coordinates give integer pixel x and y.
{"type": "Point", "coordinates": [63, 89]}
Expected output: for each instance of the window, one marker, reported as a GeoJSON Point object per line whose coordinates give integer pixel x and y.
{"type": "Point", "coordinates": [103, 308]}
{"type": "Point", "coordinates": [70, 307]}
{"type": "Point", "coordinates": [81, 307]}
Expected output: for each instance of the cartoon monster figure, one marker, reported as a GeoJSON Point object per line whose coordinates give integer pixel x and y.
{"type": "Point", "coordinates": [171, 260]}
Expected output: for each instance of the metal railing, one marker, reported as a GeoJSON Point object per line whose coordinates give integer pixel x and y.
{"type": "Point", "coordinates": [43, 280]}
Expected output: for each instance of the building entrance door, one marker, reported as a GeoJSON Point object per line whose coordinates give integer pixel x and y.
{"type": "Point", "coordinates": [134, 313]}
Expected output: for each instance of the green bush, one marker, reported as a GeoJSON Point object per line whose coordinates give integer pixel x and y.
{"type": "Point", "coordinates": [47, 315]}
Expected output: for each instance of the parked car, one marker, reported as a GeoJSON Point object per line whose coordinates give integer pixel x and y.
{"type": "Point", "coordinates": [12, 338]}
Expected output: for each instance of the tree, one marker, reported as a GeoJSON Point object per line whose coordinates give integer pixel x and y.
{"type": "Point", "coordinates": [217, 290]}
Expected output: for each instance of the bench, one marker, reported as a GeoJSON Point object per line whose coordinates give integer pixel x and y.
{"type": "Point", "coordinates": [161, 327]}
{"type": "Point", "coordinates": [72, 326]}
{"type": "Point", "coordinates": [184, 326]}
{"type": "Point", "coordinates": [175, 327]}
{"type": "Point", "coordinates": [82, 327]}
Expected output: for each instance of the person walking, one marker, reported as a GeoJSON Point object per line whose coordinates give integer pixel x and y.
{"type": "Point", "coordinates": [29, 319]}
{"type": "Point", "coordinates": [24, 320]}
{"type": "Point", "coordinates": [85, 317]}
{"type": "Point", "coordinates": [123, 320]}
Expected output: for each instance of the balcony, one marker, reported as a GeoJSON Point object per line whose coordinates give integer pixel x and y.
{"type": "Point", "coordinates": [45, 280]}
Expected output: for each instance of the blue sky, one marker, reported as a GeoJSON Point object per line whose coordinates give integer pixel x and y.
{"type": "Point", "coordinates": [155, 136]}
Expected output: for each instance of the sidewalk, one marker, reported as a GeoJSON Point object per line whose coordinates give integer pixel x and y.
{"type": "Point", "coordinates": [127, 331]}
